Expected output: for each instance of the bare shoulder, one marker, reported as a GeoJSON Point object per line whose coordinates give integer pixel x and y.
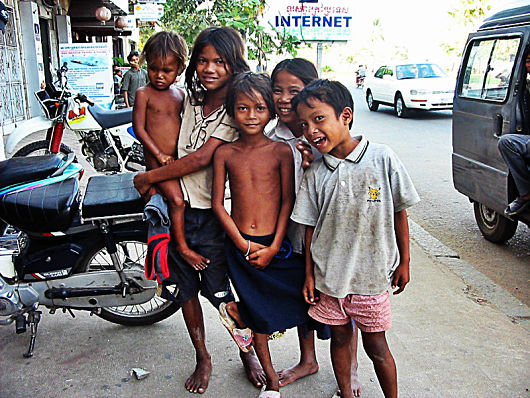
{"type": "Point", "coordinates": [282, 148]}
{"type": "Point", "coordinates": [224, 151]}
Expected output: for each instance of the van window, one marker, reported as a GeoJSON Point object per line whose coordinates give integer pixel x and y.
{"type": "Point", "coordinates": [489, 68]}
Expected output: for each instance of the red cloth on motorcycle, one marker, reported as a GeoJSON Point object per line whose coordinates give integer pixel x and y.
{"type": "Point", "coordinates": [156, 258]}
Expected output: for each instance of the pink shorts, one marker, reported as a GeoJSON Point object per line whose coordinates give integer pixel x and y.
{"type": "Point", "coordinates": [370, 313]}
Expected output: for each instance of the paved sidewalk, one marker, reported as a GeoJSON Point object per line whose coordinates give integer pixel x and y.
{"type": "Point", "coordinates": [447, 341]}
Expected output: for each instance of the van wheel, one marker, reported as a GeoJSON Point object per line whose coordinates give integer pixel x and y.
{"type": "Point", "coordinates": [493, 226]}
{"type": "Point", "coordinates": [400, 107]}
{"type": "Point", "coordinates": [372, 105]}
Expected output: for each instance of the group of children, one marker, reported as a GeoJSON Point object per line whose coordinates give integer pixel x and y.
{"type": "Point", "coordinates": [306, 249]}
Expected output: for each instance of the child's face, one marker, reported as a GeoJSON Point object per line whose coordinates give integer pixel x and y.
{"type": "Point", "coordinates": [251, 114]}
{"type": "Point", "coordinates": [212, 70]}
{"type": "Point", "coordinates": [163, 72]}
{"type": "Point", "coordinates": [285, 87]}
{"type": "Point", "coordinates": [322, 128]}
{"type": "Point", "coordinates": [134, 61]}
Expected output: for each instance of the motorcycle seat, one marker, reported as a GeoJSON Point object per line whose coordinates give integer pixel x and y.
{"type": "Point", "coordinates": [26, 169]}
{"type": "Point", "coordinates": [47, 208]}
{"type": "Point", "coordinates": [111, 196]}
{"type": "Point", "coordinates": [110, 118]}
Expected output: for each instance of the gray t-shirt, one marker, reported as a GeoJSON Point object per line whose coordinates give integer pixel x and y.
{"type": "Point", "coordinates": [132, 81]}
{"type": "Point", "coordinates": [351, 203]}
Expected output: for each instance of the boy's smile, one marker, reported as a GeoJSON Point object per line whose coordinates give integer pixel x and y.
{"type": "Point", "coordinates": [251, 113]}
{"type": "Point", "coordinates": [163, 72]}
{"type": "Point", "coordinates": [324, 130]}
{"type": "Point", "coordinates": [212, 70]}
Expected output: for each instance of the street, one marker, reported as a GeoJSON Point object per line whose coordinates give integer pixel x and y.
{"type": "Point", "coordinates": [435, 346]}
{"type": "Point", "coordinates": [423, 143]}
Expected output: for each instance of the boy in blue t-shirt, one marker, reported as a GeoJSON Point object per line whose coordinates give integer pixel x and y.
{"type": "Point", "coordinates": [353, 202]}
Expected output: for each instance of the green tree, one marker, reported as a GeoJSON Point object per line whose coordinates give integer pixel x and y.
{"type": "Point", "coordinates": [189, 17]}
{"type": "Point", "coordinates": [466, 17]}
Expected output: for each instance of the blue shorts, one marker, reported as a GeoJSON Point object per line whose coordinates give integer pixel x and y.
{"type": "Point", "coordinates": [204, 235]}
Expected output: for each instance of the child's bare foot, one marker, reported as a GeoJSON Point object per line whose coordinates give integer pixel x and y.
{"type": "Point", "coordinates": [287, 376]}
{"type": "Point", "coordinates": [194, 259]}
{"type": "Point", "coordinates": [253, 368]}
{"type": "Point", "coordinates": [355, 384]}
{"type": "Point", "coordinates": [198, 381]}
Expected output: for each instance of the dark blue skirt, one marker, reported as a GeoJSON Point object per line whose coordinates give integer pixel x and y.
{"type": "Point", "coordinates": [270, 299]}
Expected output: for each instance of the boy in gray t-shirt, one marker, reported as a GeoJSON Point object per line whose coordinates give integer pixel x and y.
{"type": "Point", "coordinates": [353, 202]}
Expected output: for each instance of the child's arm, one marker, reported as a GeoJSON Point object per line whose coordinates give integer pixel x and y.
{"type": "Point", "coordinates": [218, 190]}
{"type": "Point", "coordinates": [185, 165]}
{"type": "Point", "coordinates": [263, 257]}
{"type": "Point", "coordinates": [309, 292]}
{"type": "Point", "coordinates": [401, 275]}
{"type": "Point", "coordinates": [139, 122]}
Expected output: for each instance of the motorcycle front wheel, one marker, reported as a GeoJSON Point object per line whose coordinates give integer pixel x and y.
{"type": "Point", "coordinates": [131, 253]}
{"type": "Point", "coordinates": [38, 148]}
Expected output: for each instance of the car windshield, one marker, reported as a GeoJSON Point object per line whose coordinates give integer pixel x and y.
{"type": "Point", "coordinates": [418, 71]}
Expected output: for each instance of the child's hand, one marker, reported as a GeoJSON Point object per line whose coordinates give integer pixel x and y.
{"type": "Point", "coordinates": [401, 277]}
{"type": "Point", "coordinates": [309, 292]}
{"type": "Point", "coordinates": [307, 155]}
{"type": "Point", "coordinates": [164, 159]}
{"type": "Point", "coordinates": [141, 184]}
{"type": "Point", "coordinates": [259, 259]}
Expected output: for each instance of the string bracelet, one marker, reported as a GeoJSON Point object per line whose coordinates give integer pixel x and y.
{"type": "Point", "coordinates": [248, 251]}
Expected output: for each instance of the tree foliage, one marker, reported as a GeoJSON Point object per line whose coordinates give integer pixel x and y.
{"type": "Point", "coordinates": [189, 17]}
{"type": "Point", "coordinates": [466, 17]}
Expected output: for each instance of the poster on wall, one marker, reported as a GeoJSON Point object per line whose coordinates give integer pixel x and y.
{"type": "Point", "coordinates": [90, 70]}
{"type": "Point", "coordinates": [319, 21]}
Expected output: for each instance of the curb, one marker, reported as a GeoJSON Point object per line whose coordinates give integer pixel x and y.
{"type": "Point", "coordinates": [489, 290]}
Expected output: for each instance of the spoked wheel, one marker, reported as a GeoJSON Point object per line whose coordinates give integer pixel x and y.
{"type": "Point", "coordinates": [38, 148]}
{"type": "Point", "coordinates": [400, 107]}
{"type": "Point", "coordinates": [493, 226]}
{"type": "Point", "coordinates": [131, 253]}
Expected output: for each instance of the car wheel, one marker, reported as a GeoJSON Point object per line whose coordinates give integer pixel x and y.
{"type": "Point", "coordinates": [372, 105]}
{"type": "Point", "coordinates": [493, 226]}
{"type": "Point", "coordinates": [400, 107]}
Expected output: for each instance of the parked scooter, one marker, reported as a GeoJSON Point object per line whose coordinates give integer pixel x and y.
{"type": "Point", "coordinates": [73, 253]}
{"type": "Point", "coordinates": [106, 136]}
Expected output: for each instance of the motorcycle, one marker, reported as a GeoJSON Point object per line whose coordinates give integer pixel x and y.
{"type": "Point", "coordinates": [72, 252]}
{"type": "Point", "coordinates": [106, 136]}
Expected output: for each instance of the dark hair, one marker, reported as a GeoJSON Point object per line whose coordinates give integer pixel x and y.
{"type": "Point", "coordinates": [299, 67]}
{"type": "Point", "coordinates": [329, 92]}
{"type": "Point", "coordinates": [228, 43]}
{"type": "Point", "coordinates": [250, 83]}
{"type": "Point", "coordinates": [162, 45]}
{"type": "Point", "coordinates": [133, 53]}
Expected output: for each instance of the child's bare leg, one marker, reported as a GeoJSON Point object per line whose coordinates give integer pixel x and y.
{"type": "Point", "coordinates": [250, 362]}
{"type": "Point", "coordinates": [355, 383]}
{"type": "Point", "coordinates": [173, 194]}
{"type": "Point", "coordinates": [341, 357]}
{"type": "Point", "coordinates": [377, 350]}
{"type": "Point", "coordinates": [198, 381]}
{"type": "Point", "coordinates": [261, 346]}
{"type": "Point", "coordinates": [232, 310]}
{"type": "Point", "coordinates": [308, 361]}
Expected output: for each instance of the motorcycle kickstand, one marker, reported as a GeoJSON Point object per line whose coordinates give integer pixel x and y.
{"type": "Point", "coordinates": [33, 322]}
{"type": "Point", "coordinates": [110, 244]}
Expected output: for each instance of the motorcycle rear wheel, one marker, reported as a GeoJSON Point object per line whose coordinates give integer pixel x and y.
{"type": "Point", "coordinates": [40, 148]}
{"type": "Point", "coordinates": [131, 252]}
